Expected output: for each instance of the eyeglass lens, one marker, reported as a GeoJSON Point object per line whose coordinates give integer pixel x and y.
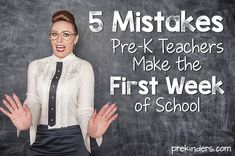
{"type": "Point", "coordinates": [65, 35]}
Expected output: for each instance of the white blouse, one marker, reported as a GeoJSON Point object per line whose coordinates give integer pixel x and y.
{"type": "Point", "coordinates": [74, 95]}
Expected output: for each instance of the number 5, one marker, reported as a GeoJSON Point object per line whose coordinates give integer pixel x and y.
{"type": "Point", "coordinates": [93, 21]}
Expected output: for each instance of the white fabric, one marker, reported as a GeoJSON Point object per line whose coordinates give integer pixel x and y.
{"type": "Point", "coordinates": [74, 96]}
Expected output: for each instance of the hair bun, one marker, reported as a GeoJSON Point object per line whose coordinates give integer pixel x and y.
{"type": "Point", "coordinates": [63, 15]}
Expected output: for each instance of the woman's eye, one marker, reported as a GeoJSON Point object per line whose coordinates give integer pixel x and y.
{"type": "Point", "coordinates": [65, 34]}
{"type": "Point", "coordinates": [53, 34]}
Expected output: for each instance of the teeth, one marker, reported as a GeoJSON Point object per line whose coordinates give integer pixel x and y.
{"type": "Point", "coordinates": [60, 46]}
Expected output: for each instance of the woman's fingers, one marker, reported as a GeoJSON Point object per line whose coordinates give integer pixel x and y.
{"type": "Point", "coordinates": [112, 119]}
{"type": "Point", "coordinates": [16, 98]}
{"type": "Point", "coordinates": [110, 113]}
{"type": "Point", "coordinates": [103, 109]}
{"type": "Point", "coordinates": [26, 108]}
{"type": "Point", "coordinates": [8, 106]}
{"type": "Point", "coordinates": [5, 112]}
{"type": "Point", "coordinates": [11, 101]}
{"type": "Point", "coordinates": [110, 109]}
{"type": "Point", "coordinates": [93, 116]}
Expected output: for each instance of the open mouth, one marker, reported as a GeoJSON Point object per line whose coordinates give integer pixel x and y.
{"type": "Point", "coordinates": [60, 48]}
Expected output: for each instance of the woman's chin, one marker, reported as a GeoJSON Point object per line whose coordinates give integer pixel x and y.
{"type": "Point", "coordinates": [60, 54]}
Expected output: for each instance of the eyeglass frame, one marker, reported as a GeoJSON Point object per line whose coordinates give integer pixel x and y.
{"type": "Point", "coordinates": [60, 34]}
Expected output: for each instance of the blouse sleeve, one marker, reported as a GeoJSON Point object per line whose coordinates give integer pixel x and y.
{"type": "Point", "coordinates": [86, 102]}
{"type": "Point", "coordinates": [33, 100]}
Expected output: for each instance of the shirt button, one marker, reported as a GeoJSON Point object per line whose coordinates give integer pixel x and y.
{"type": "Point", "coordinates": [52, 108]}
{"type": "Point", "coordinates": [56, 77]}
{"type": "Point", "coordinates": [52, 119]}
{"type": "Point", "coordinates": [58, 70]}
{"type": "Point", "coordinates": [52, 97]}
{"type": "Point", "coordinates": [53, 86]}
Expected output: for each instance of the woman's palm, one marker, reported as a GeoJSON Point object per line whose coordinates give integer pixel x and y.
{"type": "Point", "coordinates": [21, 118]}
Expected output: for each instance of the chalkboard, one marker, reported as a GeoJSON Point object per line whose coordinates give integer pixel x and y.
{"type": "Point", "coordinates": [23, 38]}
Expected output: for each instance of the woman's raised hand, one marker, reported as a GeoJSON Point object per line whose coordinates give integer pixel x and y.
{"type": "Point", "coordinates": [20, 116]}
{"type": "Point", "coordinates": [99, 123]}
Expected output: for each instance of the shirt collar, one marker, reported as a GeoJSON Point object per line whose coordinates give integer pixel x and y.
{"type": "Point", "coordinates": [65, 59]}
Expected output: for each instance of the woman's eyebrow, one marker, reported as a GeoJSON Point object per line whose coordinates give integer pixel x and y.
{"type": "Point", "coordinates": [62, 31]}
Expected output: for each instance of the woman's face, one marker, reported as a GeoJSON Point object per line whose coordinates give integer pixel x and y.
{"type": "Point", "coordinates": [62, 38]}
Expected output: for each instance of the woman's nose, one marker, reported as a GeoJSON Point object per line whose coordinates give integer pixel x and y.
{"type": "Point", "coordinates": [59, 39]}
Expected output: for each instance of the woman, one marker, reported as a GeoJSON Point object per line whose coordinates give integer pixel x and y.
{"type": "Point", "coordinates": [59, 108]}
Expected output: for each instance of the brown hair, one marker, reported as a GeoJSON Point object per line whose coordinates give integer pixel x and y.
{"type": "Point", "coordinates": [64, 15]}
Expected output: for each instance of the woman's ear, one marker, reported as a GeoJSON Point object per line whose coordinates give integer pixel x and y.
{"type": "Point", "coordinates": [76, 39]}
